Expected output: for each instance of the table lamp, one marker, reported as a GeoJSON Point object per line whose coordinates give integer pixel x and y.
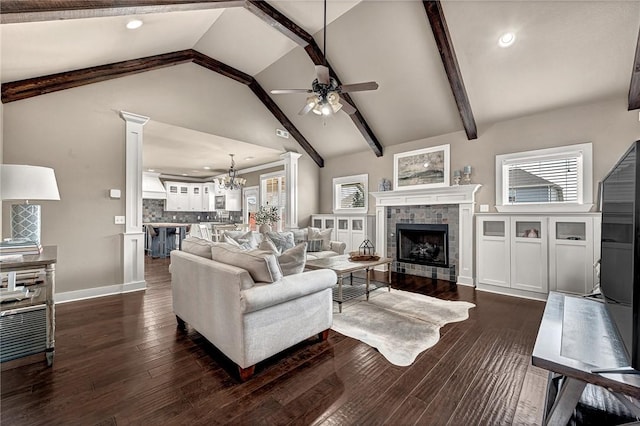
{"type": "Point", "coordinates": [24, 183]}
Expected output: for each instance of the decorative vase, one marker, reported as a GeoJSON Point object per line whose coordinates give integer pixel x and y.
{"type": "Point", "coordinates": [264, 228]}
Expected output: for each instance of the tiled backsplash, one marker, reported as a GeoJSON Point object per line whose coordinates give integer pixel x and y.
{"type": "Point", "coordinates": [435, 214]}
{"type": "Point", "coordinates": [153, 211]}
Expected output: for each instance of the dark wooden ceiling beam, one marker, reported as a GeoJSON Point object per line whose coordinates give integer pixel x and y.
{"type": "Point", "coordinates": [16, 11]}
{"type": "Point", "coordinates": [279, 22]}
{"type": "Point", "coordinates": [451, 67]}
{"type": "Point", "coordinates": [282, 118]}
{"type": "Point", "coordinates": [289, 28]}
{"type": "Point", "coordinates": [23, 89]}
{"type": "Point", "coordinates": [634, 87]}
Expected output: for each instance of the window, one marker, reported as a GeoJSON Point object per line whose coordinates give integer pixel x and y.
{"type": "Point", "coordinates": [350, 194]}
{"type": "Point", "coordinates": [273, 193]}
{"type": "Point", "coordinates": [546, 179]}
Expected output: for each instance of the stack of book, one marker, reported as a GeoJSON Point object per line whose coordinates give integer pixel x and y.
{"type": "Point", "coordinates": [19, 247]}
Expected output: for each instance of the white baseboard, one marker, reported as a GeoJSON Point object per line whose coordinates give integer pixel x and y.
{"type": "Point", "coordinates": [468, 281]}
{"type": "Point", "coordinates": [513, 292]}
{"type": "Point", "coordinates": [90, 293]}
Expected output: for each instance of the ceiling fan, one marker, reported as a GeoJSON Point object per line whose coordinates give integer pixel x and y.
{"type": "Point", "coordinates": [325, 98]}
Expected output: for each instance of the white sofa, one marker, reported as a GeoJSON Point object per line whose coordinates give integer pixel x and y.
{"type": "Point", "coordinates": [246, 320]}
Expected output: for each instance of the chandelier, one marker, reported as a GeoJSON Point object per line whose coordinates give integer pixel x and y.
{"type": "Point", "coordinates": [231, 180]}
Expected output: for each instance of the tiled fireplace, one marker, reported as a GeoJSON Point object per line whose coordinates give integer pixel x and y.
{"type": "Point", "coordinates": [447, 211]}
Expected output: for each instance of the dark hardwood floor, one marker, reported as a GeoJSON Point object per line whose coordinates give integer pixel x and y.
{"type": "Point", "coordinates": [122, 360]}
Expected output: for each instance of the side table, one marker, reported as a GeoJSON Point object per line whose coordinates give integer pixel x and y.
{"type": "Point", "coordinates": [27, 326]}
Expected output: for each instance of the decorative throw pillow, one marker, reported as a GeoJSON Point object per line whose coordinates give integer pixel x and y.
{"type": "Point", "coordinates": [243, 239]}
{"type": "Point", "coordinates": [268, 245]}
{"type": "Point", "coordinates": [315, 245]}
{"type": "Point", "coordinates": [262, 265]}
{"type": "Point", "coordinates": [232, 241]}
{"type": "Point", "coordinates": [291, 261]}
{"type": "Point", "coordinates": [323, 234]}
{"type": "Point", "coordinates": [282, 240]}
{"type": "Point", "coordinates": [300, 235]}
{"type": "Point", "coordinates": [198, 246]}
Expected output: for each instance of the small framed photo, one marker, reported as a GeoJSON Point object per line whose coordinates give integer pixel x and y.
{"type": "Point", "coordinates": [422, 168]}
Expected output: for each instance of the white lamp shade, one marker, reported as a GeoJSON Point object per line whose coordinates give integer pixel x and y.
{"type": "Point", "coordinates": [20, 182]}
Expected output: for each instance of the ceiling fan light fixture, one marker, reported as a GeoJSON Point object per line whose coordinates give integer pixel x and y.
{"type": "Point", "coordinates": [506, 39]}
{"type": "Point", "coordinates": [326, 109]}
{"type": "Point", "coordinates": [134, 24]}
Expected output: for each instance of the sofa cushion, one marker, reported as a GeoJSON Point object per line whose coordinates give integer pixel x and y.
{"type": "Point", "coordinates": [321, 254]}
{"type": "Point", "coordinates": [261, 265]}
{"type": "Point", "coordinates": [324, 234]}
{"type": "Point", "coordinates": [198, 246]}
{"type": "Point", "coordinates": [282, 240]}
{"type": "Point", "coordinates": [291, 261]}
{"type": "Point", "coordinates": [315, 245]}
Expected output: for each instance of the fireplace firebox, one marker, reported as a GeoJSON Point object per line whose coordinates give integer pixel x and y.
{"type": "Point", "coordinates": [424, 244]}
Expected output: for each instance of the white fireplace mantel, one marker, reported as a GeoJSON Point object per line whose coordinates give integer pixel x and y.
{"type": "Point", "coordinates": [462, 195]}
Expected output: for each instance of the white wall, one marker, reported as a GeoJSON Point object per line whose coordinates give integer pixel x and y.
{"type": "Point", "coordinates": [608, 125]}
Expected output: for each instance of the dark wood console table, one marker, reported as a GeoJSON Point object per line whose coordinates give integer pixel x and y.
{"type": "Point", "coordinates": [576, 337]}
{"type": "Point", "coordinates": [27, 326]}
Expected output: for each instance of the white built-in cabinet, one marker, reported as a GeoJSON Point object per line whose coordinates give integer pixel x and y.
{"type": "Point", "coordinates": [350, 229]}
{"type": "Point", "coordinates": [201, 197]}
{"type": "Point", "coordinates": [530, 255]}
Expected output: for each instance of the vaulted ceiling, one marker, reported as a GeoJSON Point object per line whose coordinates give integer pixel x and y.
{"type": "Point", "coordinates": [438, 64]}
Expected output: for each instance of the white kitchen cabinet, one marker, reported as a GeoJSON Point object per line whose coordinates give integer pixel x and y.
{"type": "Point", "coordinates": [350, 229]}
{"type": "Point", "coordinates": [530, 255]}
{"type": "Point", "coordinates": [195, 197]}
{"type": "Point", "coordinates": [177, 196]}
{"type": "Point", "coordinates": [208, 197]}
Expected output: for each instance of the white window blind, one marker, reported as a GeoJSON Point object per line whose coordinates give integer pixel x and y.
{"type": "Point", "coordinates": [351, 195]}
{"type": "Point", "coordinates": [553, 180]}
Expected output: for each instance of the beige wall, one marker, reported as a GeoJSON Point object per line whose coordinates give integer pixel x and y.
{"type": "Point", "coordinates": [80, 134]}
{"type": "Point", "coordinates": [608, 125]}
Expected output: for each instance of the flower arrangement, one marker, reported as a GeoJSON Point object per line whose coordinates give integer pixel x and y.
{"type": "Point", "coordinates": [267, 215]}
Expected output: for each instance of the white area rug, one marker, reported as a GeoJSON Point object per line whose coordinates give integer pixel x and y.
{"type": "Point", "coordinates": [399, 324]}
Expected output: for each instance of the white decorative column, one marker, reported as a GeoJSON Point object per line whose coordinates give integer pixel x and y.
{"type": "Point", "coordinates": [461, 195]}
{"type": "Point", "coordinates": [133, 236]}
{"type": "Point", "coordinates": [291, 188]}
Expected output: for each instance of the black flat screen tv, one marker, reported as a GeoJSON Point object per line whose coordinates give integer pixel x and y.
{"type": "Point", "coordinates": [620, 250]}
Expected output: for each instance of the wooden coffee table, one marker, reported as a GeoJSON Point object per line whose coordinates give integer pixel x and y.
{"type": "Point", "coordinates": [342, 266]}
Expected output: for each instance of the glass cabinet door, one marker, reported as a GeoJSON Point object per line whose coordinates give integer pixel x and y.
{"type": "Point", "coordinates": [528, 229]}
{"type": "Point", "coordinates": [357, 225]}
{"type": "Point", "coordinates": [329, 223]}
{"type": "Point", "coordinates": [493, 228]}
{"type": "Point", "coordinates": [317, 223]}
{"type": "Point", "coordinates": [343, 224]}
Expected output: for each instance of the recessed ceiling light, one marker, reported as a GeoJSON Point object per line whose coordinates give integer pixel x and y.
{"type": "Point", "coordinates": [506, 39]}
{"type": "Point", "coordinates": [151, 170]}
{"type": "Point", "coordinates": [248, 158]}
{"type": "Point", "coordinates": [207, 168]}
{"type": "Point", "coordinates": [184, 174]}
{"type": "Point", "coordinates": [134, 23]}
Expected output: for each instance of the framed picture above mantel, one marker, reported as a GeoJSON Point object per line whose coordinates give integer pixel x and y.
{"type": "Point", "coordinates": [421, 168]}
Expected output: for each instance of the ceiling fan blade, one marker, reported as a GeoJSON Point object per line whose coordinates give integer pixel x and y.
{"type": "Point", "coordinates": [305, 110]}
{"type": "Point", "coordinates": [347, 107]}
{"type": "Point", "coordinates": [358, 87]}
{"type": "Point", "coordinates": [287, 91]}
{"type": "Point", "coordinates": [322, 74]}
